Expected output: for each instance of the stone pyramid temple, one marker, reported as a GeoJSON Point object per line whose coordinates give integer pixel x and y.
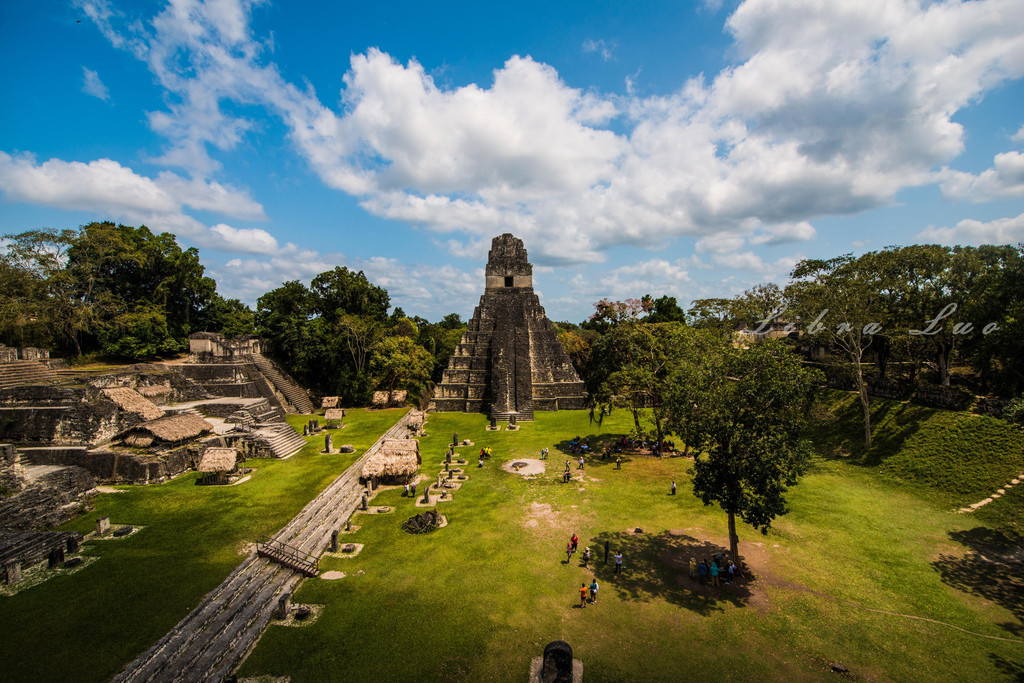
{"type": "Point", "coordinates": [509, 361]}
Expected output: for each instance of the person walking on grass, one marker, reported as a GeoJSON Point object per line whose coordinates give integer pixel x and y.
{"type": "Point", "coordinates": [583, 595]}
{"type": "Point", "coordinates": [673, 487]}
{"type": "Point", "coordinates": [693, 567]}
{"type": "Point", "coordinates": [406, 494]}
{"type": "Point", "coordinates": [412, 490]}
{"type": "Point", "coordinates": [618, 561]}
{"type": "Point", "coordinates": [618, 463]}
{"type": "Point", "coordinates": [593, 591]}
{"type": "Point", "coordinates": [581, 463]}
{"type": "Point", "coordinates": [568, 552]}
{"type": "Point", "coordinates": [575, 542]}
{"type": "Point", "coordinates": [714, 573]}
{"type": "Point", "coordinates": [586, 558]}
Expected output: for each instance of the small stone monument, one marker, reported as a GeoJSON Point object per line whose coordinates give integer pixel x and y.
{"type": "Point", "coordinates": [364, 501]}
{"type": "Point", "coordinates": [426, 494]}
{"type": "Point", "coordinates": [334, 541]}
{"type": "Point", "coordinates": [512, 420]}
{"type": "Point", "coordinates": [72, 544]}
{"type": "Point", "coordinates": [55, 558]}
{"type": "Point", "coordinates": [348, 524]}
{"type": "Point", "coordinates": [305, 430]}
{"type": "Point", "coordinates": [327, 443]}
{"type": "Point", "coordinates": [557, 665]}
{"type": "Point", "coordinates": [12, 572]}
{"type": "Point", "coordinates": [102, 525]}
{"type": "Point", "coordinates": [455, 439]}
{"type": "Point", "coordinates": [284, 606]}
{"type": "Point", "coordinates": [448, 456]}
{"type": "Point", "coordinates": [494, 423]}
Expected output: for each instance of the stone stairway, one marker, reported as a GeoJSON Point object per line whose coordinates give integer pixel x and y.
{"type": "Point", "coordinates": [218, 634]}
{"type": "Point", "coordinates": [282, 439]}
{"type": "Point", "coordinates": [295, 394]}
{"type": "Point", "coordinates": [21, 373]}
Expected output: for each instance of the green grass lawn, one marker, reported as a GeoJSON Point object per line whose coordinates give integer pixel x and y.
{"type": "Point", "coordinates": [950, 458]}
{"type": "Point", "coordinates": [480, 597]}
{"type": "Point", "coordinates": [86, 626]}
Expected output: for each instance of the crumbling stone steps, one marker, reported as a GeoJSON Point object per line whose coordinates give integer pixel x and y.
{"type": "Point", "coordinates": [211, 640]}
{"type": "Point", "coordinates": [21, 373]}
{"type": "Point", "coordinates": [295, 394]}
{"type": "Point", "coordinates": [285, 442]}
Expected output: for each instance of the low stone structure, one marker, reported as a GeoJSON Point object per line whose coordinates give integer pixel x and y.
{"type": "Point", "coordinates": [509, 361]}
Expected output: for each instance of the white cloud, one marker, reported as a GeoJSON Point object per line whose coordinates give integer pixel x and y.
{"type": "Point", "coordinates": [92, 85]}
{"type": "Point", "coordinates": [605, 49]}
{"type": "Point", "coordinates": [116, 192]}
{"type": "Point", "coordinates": [1004, 179]}
{"type": "Point", "coordinates": [832, 108]}
{"type": "Point", "coordinates": [1008, 230]}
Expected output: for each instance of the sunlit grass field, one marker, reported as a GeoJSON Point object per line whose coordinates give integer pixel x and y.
{"type": "Point", "coordinates": [480, 597]}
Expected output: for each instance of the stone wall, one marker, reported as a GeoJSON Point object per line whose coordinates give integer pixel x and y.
{"type": "Point", "coordinates": [51, 499]}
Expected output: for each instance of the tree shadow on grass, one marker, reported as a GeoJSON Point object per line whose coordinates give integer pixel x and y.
{"type": "Point", "coordinates": [842, 438]}
{"type": "Point", "coordinates": [993, 568]}
{"type": "Point", "coordinates": [656, 566]}
{"type": "Point", "coordinates": [601, 451]}
{"type": "Point", "coordinates": [1013, 670]}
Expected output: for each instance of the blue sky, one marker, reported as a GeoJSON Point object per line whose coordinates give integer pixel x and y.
{"type": "Point", "coordinates": [690, 149]}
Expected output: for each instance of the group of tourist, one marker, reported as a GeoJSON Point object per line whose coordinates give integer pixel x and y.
{"type": "Point", "coordinates": [579, 445]}
{"type": "Point", "coordinates": [720, 570]}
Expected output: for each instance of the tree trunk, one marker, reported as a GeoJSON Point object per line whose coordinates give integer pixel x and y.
{"type": "Point", "coordinates": [865, 403]}
{"type": "Point", "coordinates": [734, 541]}
{"type": "Point", "coordinates": [943, 358]}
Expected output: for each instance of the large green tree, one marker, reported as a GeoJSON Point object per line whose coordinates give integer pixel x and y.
{"type": "Point", "coordinates": [841, 304]}
{"type": "Point", "coordinates": [745, 412]}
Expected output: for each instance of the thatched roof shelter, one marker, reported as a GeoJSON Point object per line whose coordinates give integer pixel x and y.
{"type": "Point", "coordinates": [154, 390]}
{"type": "Point", "coordinates": [398, 397]}
{"type": "Point", "coordinates": [396, 461]}
{"type": "Point", "coordinates": [170, 429]}
{"type": "Point", "coordinates": [132, 401]}
{"type": "Point", "coordinates": [330, 402]}
{"type": "Point", "coordinates": [334, 415]}
{"type": "Point", "coordinates": [218, 460]}
{"type": "Point", "coordinates": [380, 399]}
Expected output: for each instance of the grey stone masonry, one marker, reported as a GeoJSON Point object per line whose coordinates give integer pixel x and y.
{"type": "Point", "coordinates": [509, 361]}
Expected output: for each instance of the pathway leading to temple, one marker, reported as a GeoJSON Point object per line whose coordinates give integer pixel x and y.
{"type": "Point", "coordinates": [218, 634]}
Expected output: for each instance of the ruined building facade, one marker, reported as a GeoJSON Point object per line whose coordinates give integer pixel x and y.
{"type": "Point", "coordinates": [509, 361]}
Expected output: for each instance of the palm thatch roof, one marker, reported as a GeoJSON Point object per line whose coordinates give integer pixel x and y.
{"type": "Point", "coordinates": [334, 415]}
{"type": "Point", "coordinates": [330, 402]}
{"type": "Point", "coordinates": [132, 401]}
{"type": "Point", "coordinates": [398, 397]}
{"type": "Point", "coordinates": [172, 428]}
{"type": "Point", "coordinates": [380, 399]}
{"type": "Point", "coordinates": [154, 390]}
{"type": "Point", "coordinates": [397, 459]}
{"type": "Point", "coordinates": [218, 460]}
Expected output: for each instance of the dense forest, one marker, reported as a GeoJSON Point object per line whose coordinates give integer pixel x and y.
{"type": "Point", "coordinates": [897, 317]}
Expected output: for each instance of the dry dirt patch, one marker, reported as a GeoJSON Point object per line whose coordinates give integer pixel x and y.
{"type": "Point", "coordinates": [527, 466]}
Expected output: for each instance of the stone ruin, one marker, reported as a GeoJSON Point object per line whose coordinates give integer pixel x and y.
{"type": "Point", "coordinates": [423, 523]}
{"type": "Point", "coordinates": [509, 361]}
{"type": "Point", "coordinates": [69, 429]}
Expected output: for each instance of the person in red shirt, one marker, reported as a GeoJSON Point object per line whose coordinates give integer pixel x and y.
{"type": "Point", "coordinates": [575, 542]}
